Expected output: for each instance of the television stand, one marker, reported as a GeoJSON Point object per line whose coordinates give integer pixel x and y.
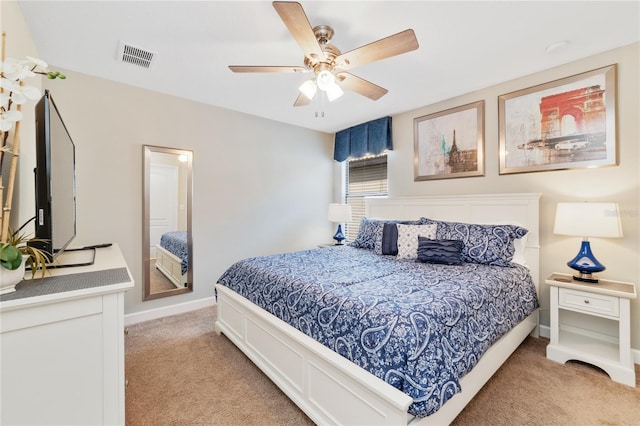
{"type": "Point", "coordinates": [70, 258]}
{"type": "Point", "coordinates": [62, 346]}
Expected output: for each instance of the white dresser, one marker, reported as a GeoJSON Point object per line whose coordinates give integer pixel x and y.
{"type": "Point", "coordinates": [62, 346]}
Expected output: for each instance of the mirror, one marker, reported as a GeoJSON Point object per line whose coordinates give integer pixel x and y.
{"type": "Point", "coordinates": [167, 250]}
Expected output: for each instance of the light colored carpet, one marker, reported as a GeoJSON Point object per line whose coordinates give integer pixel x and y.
{"type": "Point", "coordinates": [181, 373]}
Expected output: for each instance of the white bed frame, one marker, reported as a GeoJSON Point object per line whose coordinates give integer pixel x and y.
{"type": "Point", "coordinates": [332, 390]}
{"type": "Point", "coordinates": [170, 266]}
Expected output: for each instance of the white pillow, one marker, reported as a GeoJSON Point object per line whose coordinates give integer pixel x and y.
{"type": "Point", "coordinates": [519, 244]}
{"type": "Point", "coordinates": [408, 238]}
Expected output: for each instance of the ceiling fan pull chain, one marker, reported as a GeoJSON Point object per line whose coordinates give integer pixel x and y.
{"type": "Point", "coordinates": [320, 102]}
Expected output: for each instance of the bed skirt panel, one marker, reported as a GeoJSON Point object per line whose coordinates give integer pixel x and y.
{"type": "Point", "coordinates": [326, 386]}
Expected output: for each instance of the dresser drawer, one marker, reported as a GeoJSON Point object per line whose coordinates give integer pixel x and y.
{"type": "Point", "coordinates": [588, 302]}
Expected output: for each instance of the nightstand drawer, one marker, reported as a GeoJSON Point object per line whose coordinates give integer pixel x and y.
{"type": "Point", "coordinates": [588, 302]}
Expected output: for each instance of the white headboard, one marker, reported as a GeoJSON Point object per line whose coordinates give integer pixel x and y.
{"type": "Point", "coordinates": [516, 209]}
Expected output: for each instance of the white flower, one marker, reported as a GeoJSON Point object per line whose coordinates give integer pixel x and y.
{"type": "Point", "coordinates": [14, 69]}
{"type": "Point", "coordinates": [21, 94]}
{"type": "Point", "coordinates": [38, 62]}
{"type": "Point", "coordinates": [8, 85]}
{"type": "Point", "coordinates": [4, 100]}
{"type": "Point", "coordinates": [7, 118]}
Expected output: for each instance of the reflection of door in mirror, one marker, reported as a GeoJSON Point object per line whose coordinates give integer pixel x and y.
{"type": "Point", "coordinates": [167, 248]}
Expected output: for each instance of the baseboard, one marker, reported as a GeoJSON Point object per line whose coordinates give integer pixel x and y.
{"type": "Point", "coordinates": [166, 311]}
{"type": "Point", "coordinates": [545, 332]}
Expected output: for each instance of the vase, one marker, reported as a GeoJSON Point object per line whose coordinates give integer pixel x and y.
{"type": "Point", "coordinates": [10, 278]}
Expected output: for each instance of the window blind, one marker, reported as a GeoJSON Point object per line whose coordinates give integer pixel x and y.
{"type": "Point", "coordinates": [365, 177]}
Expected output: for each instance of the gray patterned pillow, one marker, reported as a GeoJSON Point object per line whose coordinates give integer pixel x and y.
{"type": "Point", "coordinates": [486, 244]}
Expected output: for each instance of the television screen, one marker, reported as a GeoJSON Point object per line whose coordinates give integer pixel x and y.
{"type": "Point", "coordinates": [55, 180]}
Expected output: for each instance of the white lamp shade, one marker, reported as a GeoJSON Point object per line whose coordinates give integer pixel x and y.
{"type": "Point", "coordinates": [339, 213]}
{"type": "Point", "coordinates": [334, 92]}
{"type": "Point", "coordinates": [325, 79]}
{"type": "Point", "coordinates": [588, 220]}
{"type": "Point", "coordinates": [308, 88]}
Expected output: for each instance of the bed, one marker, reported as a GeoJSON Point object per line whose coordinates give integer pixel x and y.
{"type": "Point", "coordinates": [172, 257]}
{"type": "Point", "coordinates": [387, 387]}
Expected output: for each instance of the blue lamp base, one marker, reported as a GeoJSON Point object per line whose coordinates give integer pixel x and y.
{"type": "Point", "coordinates": [339, 236]}
{"type": "Point", "coordinates": [586, 264]}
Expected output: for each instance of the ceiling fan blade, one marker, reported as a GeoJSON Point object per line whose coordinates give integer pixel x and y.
{"type": "Point", "coordinates": [361, 86]}
{"type": "Point", "coordinates": [268, 68]}
{"type": "Point", "coordinates": [301, 100]}
{"type": "Point", "coordinates": [293, 16]}
{"type": "Point", "coordinates": [393, 45]}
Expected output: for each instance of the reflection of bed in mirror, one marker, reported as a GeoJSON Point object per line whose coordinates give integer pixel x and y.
{"type": "Point", "coordinates": [172, 257]}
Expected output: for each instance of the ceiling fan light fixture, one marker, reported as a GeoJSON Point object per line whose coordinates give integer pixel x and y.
{"type": "Point", "coordinates": [325, 79]}
{"type": "Point", "coordinates": [308, 88]}
{"type": "Point", "coordinates": [326, 60]}
{"type": "Point", "coordinates": [334, 92]}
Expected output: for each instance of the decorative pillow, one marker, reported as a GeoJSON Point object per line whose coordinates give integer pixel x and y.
{"type": "Point", "coordinates": [387, 238]}
{"type": "Point", "coordinates": [486, 244]}
{"type": "Point", "coordinates": [367, 233]}
{"type": "Point", "coordinates": [408, 238]}
{"type": "Point", "coordinates": [387, 241]}
{"type": "Point", "coordinates": [448, 252]}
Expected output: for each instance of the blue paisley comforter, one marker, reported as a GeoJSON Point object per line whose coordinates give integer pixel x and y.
{"type": "Point", "coordinates": [419, 327]}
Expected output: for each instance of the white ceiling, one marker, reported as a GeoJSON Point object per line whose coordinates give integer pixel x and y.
{"type": "Point", "coordinates": [464, 46]}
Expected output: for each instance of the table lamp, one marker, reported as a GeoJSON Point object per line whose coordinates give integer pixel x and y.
{"type": "Point", "coordinates": [339, 213]}
{"type": "Point", "coordinates": [587, 220]}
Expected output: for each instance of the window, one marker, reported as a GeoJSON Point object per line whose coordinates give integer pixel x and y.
{"type": "Point", "coordinates": [364, 177]}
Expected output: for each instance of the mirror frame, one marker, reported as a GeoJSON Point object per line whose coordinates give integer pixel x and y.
{"type": "Point", "coordinates": [146, 254]}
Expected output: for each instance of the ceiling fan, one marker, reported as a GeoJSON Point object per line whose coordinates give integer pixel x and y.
{"type": "Point", "coordinates": [327, 62]}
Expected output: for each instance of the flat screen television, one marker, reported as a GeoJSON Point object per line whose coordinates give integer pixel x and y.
{"type": "Point", "coordinates": [55, 180]}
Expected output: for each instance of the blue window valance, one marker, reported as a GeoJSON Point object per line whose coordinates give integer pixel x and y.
{"type": "Point", "coordinates": [370, 138]}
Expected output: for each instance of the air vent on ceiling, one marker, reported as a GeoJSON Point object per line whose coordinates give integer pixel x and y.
{"type": "Point", "coordinates": [135, 55]}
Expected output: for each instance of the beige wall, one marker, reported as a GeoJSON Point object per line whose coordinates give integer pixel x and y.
{"type": "Point", "coordinates": [620, 184]}
{"type": "Point", "coordinates": [282, 175]}
{"type": "Point", "coordinates": [259, 186]}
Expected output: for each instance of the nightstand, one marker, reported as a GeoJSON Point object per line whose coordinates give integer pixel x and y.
{"type": "Point", "coordinates": [591, 323]}
{"type": "Point", "coordinates": [331, 245]}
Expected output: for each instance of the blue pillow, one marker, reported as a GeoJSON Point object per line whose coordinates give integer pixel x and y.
{"type": "Point", "coordinates": [367, 233]}
{"type": "Point", "coordinates": [448, 252]}
{"type": "Point", "coordinates": [389, 240]}
{"type": "Point", "coordinates": [485, 244]}
{"type": "Point", "coordinates": [387, 237]}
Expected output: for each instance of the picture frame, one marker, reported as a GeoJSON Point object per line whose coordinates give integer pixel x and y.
{"type": "Point", "coordinates": [563, 124]}
{"type": "Point", "coordinates": [450, 143]}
